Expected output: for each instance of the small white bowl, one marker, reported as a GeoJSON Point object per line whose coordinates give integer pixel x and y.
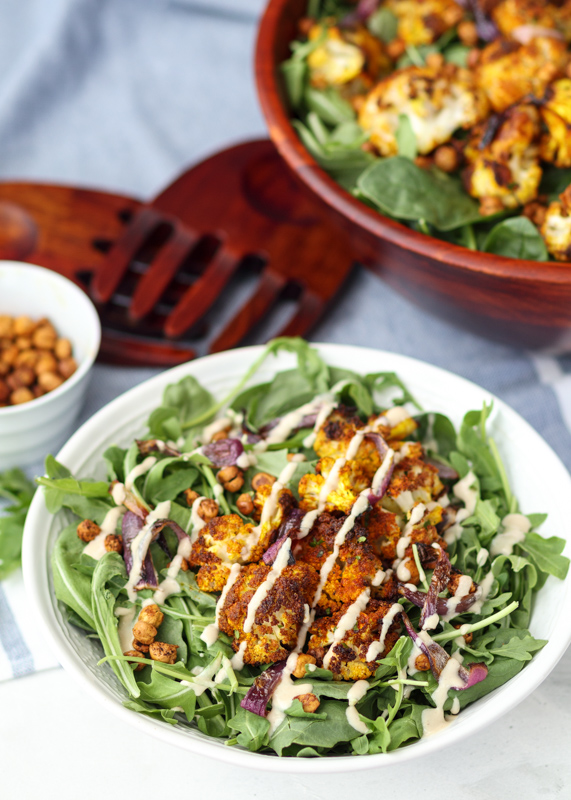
{"type": "Point", "coordinates": [30, 431]}
{"type": "Point", "coordinates": [536, 474]}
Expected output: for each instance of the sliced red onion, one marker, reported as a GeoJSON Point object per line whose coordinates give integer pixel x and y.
{"type": "Point", "coordinates": [438, 583]}
{"type": "Point", "coordinates": [258, 696]}
{"type": "Point", "coordinates": [161, 524]}
{"type": "Point", "coordinates": [224, 452]}
{"type": "Point", "coordinates": [441, 606]}
{"type": "Point", "coordinates": [379, 442]}
{"type": "Point", "coordinates": [289, 528]}
{"type": "Point", "coordinates": [525, 33]}
{"type": "Point", "coordinates": [130, 528]}
{"type": "Point", "coordinates": [438, 658]}
{"type": "Point", "coordinates": [307, 421]}
{"type": "Point", "coordinates": [365, 8]}
{"type": "Point", "coordinates": [374, 498]}
{"type": "Point", "coordinates": [444, 471]}
{"type": "Point", "coordinates": [487, 29]}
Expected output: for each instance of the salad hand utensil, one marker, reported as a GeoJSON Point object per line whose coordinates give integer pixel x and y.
{"type": "Point", "coordinates": [155, 270]}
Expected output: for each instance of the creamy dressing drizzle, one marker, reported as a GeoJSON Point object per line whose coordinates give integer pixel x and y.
{"type": "Point", "coordinates": [285, 692]}
{"type": "Point", "coordinates": [118, 494]}
{"type": "Point", "coordinates": [346, 623]}
{"type": "Point", "coordinates": [482, 556]}
{"type": "Point", "coordinates": [170, 584]}
{"type": "Point", "coordinates": [266, 586]}
{"type": "Point", "coordinates": [140, 545]}
{"type": "Point", "coordinates": [96, 548]}
{"type": "Point", "coordinates": [237, 660]}
{"type": "Point", "coordinates": [515, 526]}
{"type": "Point", "coordinates": [140, 469]}
{"type": "Point", "coordinates": [463, 491]}
{"type": "Point", "coordinates": [463, 589]}
{"type": "Point", "coordinates": [196, 521]}
{"type": "Point", "coordinates": [356, 693]}
{"type": "Point", "coordinates": [433, 719]}
{"type": "Point", "coordinates": [376, 648]}
{"type": "Point", "coordinates": [210, 633]}
{"type": "Point", "coordinates": [125, 627]}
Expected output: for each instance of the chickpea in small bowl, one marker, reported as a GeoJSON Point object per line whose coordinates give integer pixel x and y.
{"type": "Point", "coordinates": [49, 339]}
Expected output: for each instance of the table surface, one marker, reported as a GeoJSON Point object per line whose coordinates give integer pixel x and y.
{"type": "Point", "coordinates": [124, 95]}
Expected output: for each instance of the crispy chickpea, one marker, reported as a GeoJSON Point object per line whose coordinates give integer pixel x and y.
{"type": "Point", "coordinates": [435, 60]}
{"type": "Point", "coordinates": [44, 337]}
{"type": "Point", "coordinates": [473, 57]}
{"type": "Point", "coordinates": [535, 212]}
{"type": "Point", "coordinates": [152, 615]}
{"type": "Point", "coordinates": [4, 369]}
{"type": "Point", "coordinates": [467, 636]}
{"type": "Point", "coordinates": [262, 479]}
{"type": "Point", "coordinates": [26, 358]}
{"type": "Point", "coordinates": [310, 702]}
{"type": "Point", "coordinates": [19, 396]}
{"type": "Point", "coordinates": [62, 349]}
{"type": "Point", "coordinates": [37, 391]}
{"type": "Point", "coordinates": [4, 391]}
{"type": "Point", "coordinates": [208, 509]}
{"type": "Point", "coordinates": [23, 376]}
{"type": "Point", "coordinates": [9, 354]}
{"type": "Point", "coordinates": [424, 162]}
{"type": "Point", "coordinates": [231, 478]}
{"type": "Point", "coordinates": [446, 158]}
{"type": "Point", "coordinates": [140, 647]}
{"type": "Point", "coordinates": [184, 565]}
{"type": "Point", "coordinates": [6, 326]}
{"type": "Point", "coordinates": [45, 363]}
{"type": "Point", "coordinates": [87, 530]}
{"type": "Point", "coordinates": [221, 435]}
{"type": "Point", "coordinates": [134, 654]}
{"type": "Point", "coordinates": [245, 504]}
{"type": "Point", "coordinates": [23, 342]}
{"type": "Point", "coordinates": [302, 660]}
{"type": "Point", "coordinates": [23, 326]}
{"type": "Point", "coordinates": [113, 543]}
{"type": "Point", "coordinates": [490, 205]}
{"type": "Point", "coordinates": [144, 632]}
{"type": "Point", "coordinates": [190, 496]}
{"type": "Point", "coordinates": [422, 663]}
{"type": "Point", "coordinates": [161, 651]}
{"type": "Point", "coordinates": [452, 15]}
{"type": "Point", "coordinates": [66, 367]}
{"type": "Point", "coordinates": [468, 33]}
{"type": "Point", "coordinates": [304, 25]}
{"type": "Point", "coordinates": [49, 381]}
{"type": "Point", "coordinates": [395, 49]}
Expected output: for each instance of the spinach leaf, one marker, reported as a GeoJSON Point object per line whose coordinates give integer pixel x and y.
{"type": "Point", "coordinates": [15, 487]}
{"type": "Point", "coordinates": [384, 24]}
{"type": "Point", "coordinates": [253, 729]}
{"type": "Point", "coordinates": [403, 190]}
{"type": "Point", "coordinates": [168, 693]}
{"type": "Point", "coordinates": [406, 138]}
{"type": "Point", "coordinates": [329, 105]}
{"type": "Point", "coordinates": [315, 732]}
{"type": "Point", "coordinates": [516, 237]}
{"type": "Point", "coordinates": [554, 181]}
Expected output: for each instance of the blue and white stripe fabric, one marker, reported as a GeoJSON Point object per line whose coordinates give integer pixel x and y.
{"type": "Point", "coordinates": [124, 95]}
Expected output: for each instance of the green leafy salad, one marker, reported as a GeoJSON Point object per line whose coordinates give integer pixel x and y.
{"type": "Point", "coordinates": [452, 118]}
{"type": "Point", "coordinates": [312, 566]}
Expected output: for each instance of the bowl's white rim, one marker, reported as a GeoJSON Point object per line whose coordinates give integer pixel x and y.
{"type": "Point", "coordinates": [91, 319]}
{"type": "Point", "coordinates": [37, 590]}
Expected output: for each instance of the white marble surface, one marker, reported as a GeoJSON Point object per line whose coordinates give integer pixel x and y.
{"type": "Point", "coordinates": [56, 744]}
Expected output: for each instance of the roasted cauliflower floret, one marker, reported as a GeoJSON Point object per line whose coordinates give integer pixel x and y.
{"type": "Point", "coordinates": [507, 167]}
{"type": "Point", "coordinates": [351, 480]}
{"type": "Point", "coordinates": [413, 481]}
{"type": "Point", "coordinates": [285, 502]}
{"type": "Point", "coordinates": [437, 101]}
{"type": "Point", "coordinates": [344, 55]}
{"type": "Point", "coordinates": [334, 436]}
{"type": "Point", "coordinates": [355, 568]}
{"type": "Point", "coordinates": [424, 533]}
{"type": "Point", "coordinates": [555, 146]}
{"type": "Point", "coordinates": [424, 21]}
{"type": "Point", "coordinates": [224, 540]}
{"type": "Point", "coordinates": [279, 616]}
{"type": "Point", "coordinates": [508, 72]}
{"type": "Point", "coordinates": [384, 532]}
{"type": "Point", "coordinates": [519, 18]}
{"type": "Point", "coordinates": [348, 660]}
{"type": "Point", "coordinates": [556, 228]}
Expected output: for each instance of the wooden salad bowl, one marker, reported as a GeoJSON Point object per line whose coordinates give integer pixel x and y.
{"type": "Point", "coordinates": [527, 303]}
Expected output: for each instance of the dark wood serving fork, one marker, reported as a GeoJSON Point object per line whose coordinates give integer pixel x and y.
{"type": "Point", "coordinates": [236, 229]}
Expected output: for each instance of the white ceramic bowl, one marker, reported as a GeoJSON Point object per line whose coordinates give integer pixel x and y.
{"type": "Point", "coordinates": [537, 476]}
{"type": "Point", "coordinates": [30, 431]}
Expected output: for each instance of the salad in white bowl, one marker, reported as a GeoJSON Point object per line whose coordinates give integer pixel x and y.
{"type": "Point", "coordinates": [316, 562]}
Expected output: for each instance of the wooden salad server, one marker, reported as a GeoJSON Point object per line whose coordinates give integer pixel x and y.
{"type": "Point", "coordinates": [155, 270]}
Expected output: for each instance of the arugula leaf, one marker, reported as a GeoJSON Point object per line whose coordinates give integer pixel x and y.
{"type": "Point", "coordinates": [315, 732]}
{"type": "Point", "coordinates": [253, 729]}
{"type": "Point", "coordinates": [169, 693]}
{"type": "Point", "coordinates": [546, 554]}
{"type": "Point", "coordinates": [406, 138]}
{"type": "Point", "coordinates": [70, 585]}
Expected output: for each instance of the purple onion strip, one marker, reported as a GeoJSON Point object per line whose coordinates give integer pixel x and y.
{"type": "Point", "coordinates": [438, 583]}
{"type": "Point", "coordinates": [438, 658]}
{"type": "Point", "coordinates": [444, 471]}
{"type": "Point", "coordinates": [130, 528]}
{"type": "Point", "coordinates": [441, 606]}
{"type": "Point", "coordinates": [224, 452]}
{"type": "Point", "coordinates": [365, 8]}
{"type": "Point", "coordinates": [258, 696]}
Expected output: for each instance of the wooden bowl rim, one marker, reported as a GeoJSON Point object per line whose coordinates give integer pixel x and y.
{"type": "Point", "coordinates": [299, 159]}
